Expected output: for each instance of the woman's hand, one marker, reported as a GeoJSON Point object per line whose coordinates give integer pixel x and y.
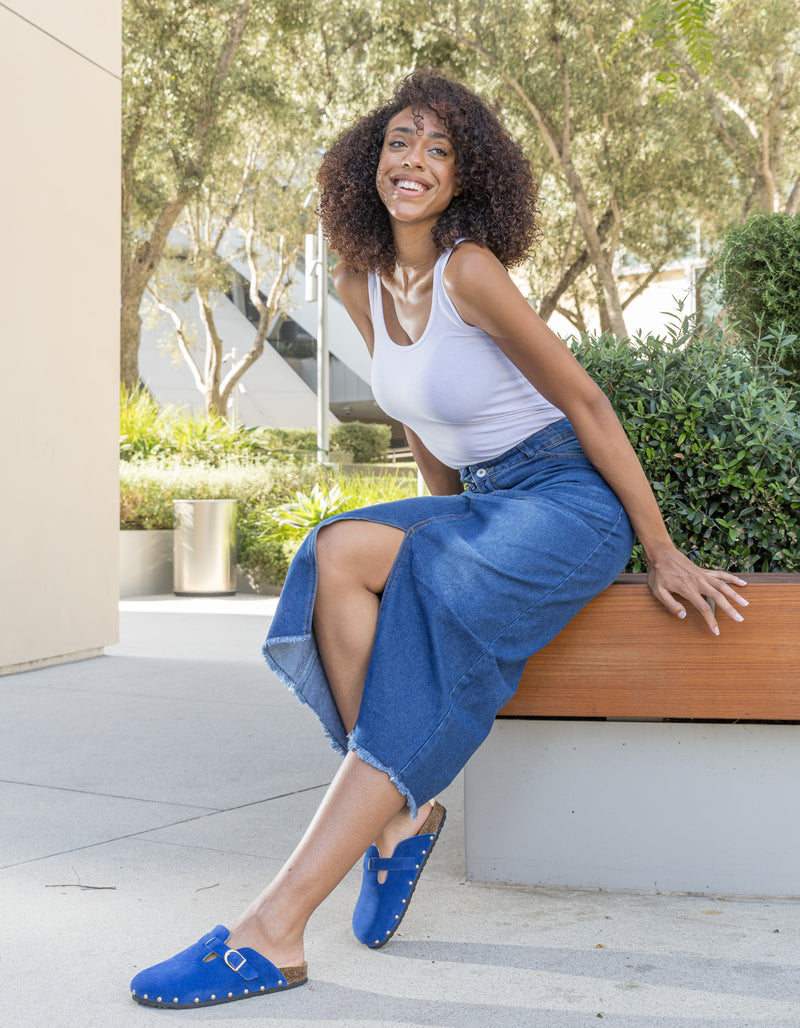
{"type": "Point", "coordinates": [671, 575]}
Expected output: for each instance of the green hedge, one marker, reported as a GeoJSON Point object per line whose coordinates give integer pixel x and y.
{"type": "Point", "coordinates": [758, 265]}
{"type": "Point", "coordinates": [148, 431]}
{"type": "Point", "coordinates": [717, 433]}
{"type": "Point", "coordinates": [367, 443]}
{"type": "Point", "coordinates": [264, 547]}
{"type": "Point", "coordinates": [719, 439]}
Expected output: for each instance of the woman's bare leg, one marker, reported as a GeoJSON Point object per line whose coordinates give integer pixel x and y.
{"type": "Point", "coordinates": [354, 559]}
{"type": "Point", "coordinates": [362, 805]}
{"type": "Point", "coordinates": [357, 805]}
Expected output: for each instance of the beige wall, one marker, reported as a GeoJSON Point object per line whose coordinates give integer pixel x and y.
{"type": "Point", "coordinates": [59, 328]}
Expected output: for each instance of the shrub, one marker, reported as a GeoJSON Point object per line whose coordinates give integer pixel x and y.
{"type": "Point", "coordinates": [295, 519]}
{"type": "Point", "coordinates": [141, 425]}
{"type": "Point", "coordinates": [299, 443]}
{"type": "Point", "coordinates": [146, 430]}
{"type": "Point", "coordinates": [366, 442]}
{"type": "Point", "coordinates": [719, 438]}
{"type": "Point", "coordinates": [147, 488]}
{"type": "Point", "coordinates": [758, 265]}
{"type": "Point", "coordinates": [264, 546]}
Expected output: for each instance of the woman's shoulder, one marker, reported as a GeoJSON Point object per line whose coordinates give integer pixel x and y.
{"type": "Point", "coordinates": [470, 267]}
{"type": "Point", "coordinates": [352, 287]}
{"type": "Point", "coordinates": [346, 278]}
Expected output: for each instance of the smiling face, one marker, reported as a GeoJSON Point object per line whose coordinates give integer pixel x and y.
{"type": "Point", "coordinates": [416, 177]}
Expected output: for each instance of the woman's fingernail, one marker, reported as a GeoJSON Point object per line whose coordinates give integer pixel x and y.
{"type": "Point", "coordinates": [738, 616]}
{"type": "Point", "coordinates": [715, 630]}
{"type": "Point", "coordinates": [743, 603]}
{"type": "Point", "coordinates": [681, 613]}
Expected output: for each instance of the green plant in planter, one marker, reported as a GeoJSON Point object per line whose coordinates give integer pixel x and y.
{"type": "Point", "coordinates": [295, 519]}
{"type": "Point", "coordinates": [758, 265]}
{"type": "Point", "coordinates": [141, 426]}
{"type": "Point", "coordinates": [719, 438]}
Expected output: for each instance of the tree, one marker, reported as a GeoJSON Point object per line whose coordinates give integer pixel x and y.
{"type": "Point", "coordinates": [193, 73]}
{"type": "Point", "coordinates": [752, 96]}
{"type": "Point", "coordinates": [248, 210]}
{"type": "Point", "coordinates": [616, 172]}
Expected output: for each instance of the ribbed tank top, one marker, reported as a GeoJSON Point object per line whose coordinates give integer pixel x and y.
{"type": "Point", "coordinates": [454, 387]}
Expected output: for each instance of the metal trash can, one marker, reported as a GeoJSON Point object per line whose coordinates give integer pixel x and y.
{"type": "Point", "coordinates": [205, 547]}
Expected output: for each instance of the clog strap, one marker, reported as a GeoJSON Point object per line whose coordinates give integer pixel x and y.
{"type": "Point", "coordinates": [392, 864]}
{"type": "Point", "coordinates": [235, 960]}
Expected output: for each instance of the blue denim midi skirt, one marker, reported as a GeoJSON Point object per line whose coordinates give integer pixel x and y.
{"type": "Point", "coordinates": [481, 581]}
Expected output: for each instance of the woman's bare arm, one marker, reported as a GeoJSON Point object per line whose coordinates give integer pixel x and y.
{"type": "Point", "coordinates": [485, 296]}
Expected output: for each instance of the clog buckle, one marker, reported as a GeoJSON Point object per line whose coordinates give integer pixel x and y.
{"type": "Point", "coordinates": [234, 953]}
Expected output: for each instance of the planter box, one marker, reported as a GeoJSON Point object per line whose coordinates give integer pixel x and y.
{"type": "Point", "coordinates": [147, 565]}
{"type": "Point", "coordinates": [145, 562]}
{"type": "Point", "coordinates": [567, 791]}
{"type": "Point", "coordinates": [668, 806]}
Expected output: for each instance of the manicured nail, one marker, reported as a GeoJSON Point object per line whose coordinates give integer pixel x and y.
{"type": "Point", "coordinates": [681, 613]}
{"type": "Point", "coordinates": [715, 630]}
{"type": "Point", "coordinates": [743, 603]}
{"type": "Point", "coordinates": [738, 617]}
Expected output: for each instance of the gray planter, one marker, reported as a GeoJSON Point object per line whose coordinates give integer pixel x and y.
{"type": "Point", "coordinates": [145, 562]}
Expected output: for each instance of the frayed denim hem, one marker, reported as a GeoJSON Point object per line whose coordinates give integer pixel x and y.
{"type": "Point", "coordinates": [397, 782]}
{"type": "Point", "coordinates": [286, 679]}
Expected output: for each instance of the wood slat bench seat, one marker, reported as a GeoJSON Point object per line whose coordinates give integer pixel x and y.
{"type": "Point", "coordinates": [624, 656]}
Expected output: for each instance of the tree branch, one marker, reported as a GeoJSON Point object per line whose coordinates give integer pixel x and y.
{"type": "Point", "coordinates": [550, 300]}
{"type": "Point", "coordinates": [183, 342]}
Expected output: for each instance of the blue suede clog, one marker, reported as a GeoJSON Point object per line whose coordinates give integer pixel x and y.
{"type": "Point", "coordinates": [189, 979]}
{"type": "Point", "coordinates": [381, 906]}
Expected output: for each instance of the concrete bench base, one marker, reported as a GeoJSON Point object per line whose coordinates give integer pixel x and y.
{"type": "Point", "coordinates": [707, 808]}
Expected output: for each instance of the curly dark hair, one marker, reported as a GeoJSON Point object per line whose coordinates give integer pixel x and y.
{"type": "Point", "coordinates": [496, 208]}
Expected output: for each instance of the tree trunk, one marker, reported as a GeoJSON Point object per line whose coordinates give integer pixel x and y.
{"type": "Point", "coordinates": [551, 298]}
{"type": "Point", "coordinates": [130, 334]}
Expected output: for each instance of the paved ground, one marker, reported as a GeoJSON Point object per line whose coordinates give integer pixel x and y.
{"type": "Point", "coordinates": [146, 795]}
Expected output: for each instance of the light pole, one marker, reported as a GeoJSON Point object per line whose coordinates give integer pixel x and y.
{"type": "Point", "coordinates": [316, 255]}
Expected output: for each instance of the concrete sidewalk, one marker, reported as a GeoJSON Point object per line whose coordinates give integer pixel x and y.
{"type": "Point", "coordinates": [146, 796]}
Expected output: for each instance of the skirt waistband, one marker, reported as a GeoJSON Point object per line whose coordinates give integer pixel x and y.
{"type": "Point", "coordinates": [543, 438]}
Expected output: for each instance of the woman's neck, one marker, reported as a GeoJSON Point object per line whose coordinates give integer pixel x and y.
{"type": "Point", "coordinates": [415, 255]}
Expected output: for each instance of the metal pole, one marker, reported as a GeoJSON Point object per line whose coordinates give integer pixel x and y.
{"type": "Point", "coordinates": [323, 370]}
{"type": "Point", "coordinates": [234, 392]}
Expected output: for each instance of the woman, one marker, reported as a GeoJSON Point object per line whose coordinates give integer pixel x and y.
{"type": "Point", "coordinates": [406, 625]}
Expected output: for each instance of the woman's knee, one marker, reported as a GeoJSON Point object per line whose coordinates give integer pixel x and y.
{"type": "Point", "coordinates": [361, 551]}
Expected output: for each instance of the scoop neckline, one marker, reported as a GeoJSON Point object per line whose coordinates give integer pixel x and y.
{"type": "Point", "coordinates": [436, 276]}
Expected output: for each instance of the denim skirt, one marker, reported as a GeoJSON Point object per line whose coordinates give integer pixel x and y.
{"type": "Point", "coordinates": [481, 581]}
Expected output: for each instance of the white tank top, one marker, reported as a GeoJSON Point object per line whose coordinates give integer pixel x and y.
{"type": "Point", "coordinates": [453, 387]}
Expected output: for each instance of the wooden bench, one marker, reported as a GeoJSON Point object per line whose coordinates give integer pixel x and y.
{"type": "Point", "coordinates": [623, 655]}
{"type": "Point", "coordinates": [642, 752]}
